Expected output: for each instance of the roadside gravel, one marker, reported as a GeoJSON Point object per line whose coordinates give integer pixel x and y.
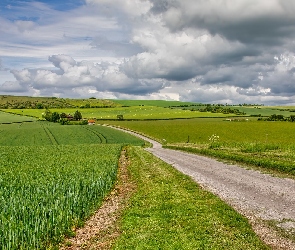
{"type": "Point", "coordinates": [260, 197]}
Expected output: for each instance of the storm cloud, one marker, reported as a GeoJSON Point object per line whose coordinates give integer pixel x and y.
{"type": "Point", "coordinates": [195, 50]}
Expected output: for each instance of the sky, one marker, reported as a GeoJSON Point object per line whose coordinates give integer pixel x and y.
{"type": "Point", "coordinates": [209, 51]}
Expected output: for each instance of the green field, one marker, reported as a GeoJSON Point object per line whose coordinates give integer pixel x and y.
{"type": "Point", "coordinates": [10, 118]}
{"type": "Point", "coordinates": [45, 133]}
{"type": "Point", "coordinates": [52, 177]}
{"type": "Point", "coordinates": [156, 103]}
{"type": "Point", "coordinates": [132, 113]}
{"type": "Point", "coordinates": [266, 110]}
{"type": "Point", "coordinates": [47, 191]}
{"type": "Point", "coordinates": [266, 144]}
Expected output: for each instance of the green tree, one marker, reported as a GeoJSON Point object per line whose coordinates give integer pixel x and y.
{"type": "Point", "coordinates": [47, 115]}
{"type": "Point", "coordinates": [63, 115]}
{"type": "Point", "coordinates": [77, 115]}
{"type": "Point", "coordinates": [55, 117]}
{"type": "Point", "coordinates": [39, 105]}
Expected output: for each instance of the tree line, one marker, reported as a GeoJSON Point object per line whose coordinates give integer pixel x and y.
{"type": "Point", "coordinates": [63, 118]}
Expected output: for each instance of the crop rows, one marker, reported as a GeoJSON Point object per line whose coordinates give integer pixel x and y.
{"type": "Point", "coordinates": [47, 191]}
{"type": "Point", "coordinates": [6, 118]}
{"type": "Point", "coordinates": [46, 133]}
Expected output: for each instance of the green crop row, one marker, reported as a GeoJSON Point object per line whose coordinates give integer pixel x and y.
{"type": "Point", "coordinates": [10, 118]}
{"type": "Point", "coordinates": [47, 191]}
{"type": "Point", "coordinates": [46, 133]}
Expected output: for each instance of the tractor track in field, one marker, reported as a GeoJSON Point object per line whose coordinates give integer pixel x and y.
{"type": "Point", "coordinates": [268, 202]}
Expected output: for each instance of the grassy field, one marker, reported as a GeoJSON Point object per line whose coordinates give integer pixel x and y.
{"type": "Point", "coordinates": [260, 143]}
{"type": "Point", "coordinates": [52, 177]}
{"type": "Point", "coordinates": [133, 113]}
{"type": "Point", "coordinates": [9, 118]}
{"type": "Point", "coordinates": [169, 211]}
{"type": "Point", "coordinates": [159, 111]}
{"type": "Point", "coordinates": [199, 130]}
{"type": "Point", "coordinates": [55, 176]}
{"type": "Point", "coordinates": [156, 103]}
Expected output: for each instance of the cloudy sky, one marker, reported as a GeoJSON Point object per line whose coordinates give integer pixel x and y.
{"type": "Point", "coordinates": [211, 51]}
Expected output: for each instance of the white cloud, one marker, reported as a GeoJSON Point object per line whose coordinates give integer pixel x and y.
{"type": "Point", "coordinates": [211, 51]}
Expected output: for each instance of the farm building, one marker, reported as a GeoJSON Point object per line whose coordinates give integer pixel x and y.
{"type": "Point", "coordinates": [91, 122]}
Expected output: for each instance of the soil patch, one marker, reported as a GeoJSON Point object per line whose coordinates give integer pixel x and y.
{"type": "Point", "coordinates": [102, 229]}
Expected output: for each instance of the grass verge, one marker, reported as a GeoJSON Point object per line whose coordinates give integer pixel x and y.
{"type": "Point", "coordinates": [170, 211]}
{"type": "Point", "coordinates": [271, 161]}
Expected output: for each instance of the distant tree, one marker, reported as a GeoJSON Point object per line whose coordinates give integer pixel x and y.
{"type": "Point", "coordinates": [120, 117]}
{"type": "Point", "coordinates": [77, 115]}
{"type": "Point", "coordinates": [64, 121]}
{"type": "Point", "coordinates": [39, 105]}
{"type": "Point", "coordinates": [47, 115]}
{"type": "Point", "coordinates": [63, 115]}
{"type": "Point", "coordinates": [55, 117]}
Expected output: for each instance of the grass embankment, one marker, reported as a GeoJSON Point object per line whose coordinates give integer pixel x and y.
{"type": "Point", "coordinates": [170, 211]}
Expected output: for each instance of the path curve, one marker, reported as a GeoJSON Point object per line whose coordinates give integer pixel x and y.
{"type": "Point", "coordinates": [252, 193]}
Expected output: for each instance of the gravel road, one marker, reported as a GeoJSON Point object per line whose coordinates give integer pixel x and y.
{"type": "Point", "coordinates": [260, 197]}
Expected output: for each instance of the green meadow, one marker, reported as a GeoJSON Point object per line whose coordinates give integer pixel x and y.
{"type": "Point", "coordinates": [230, 132]}
{"type": "Point", "coordinates": [156, 103]}
{"type": "Point", "coordinates": [265, 144]}
{"type": "Point", "coordinates": [130, 113]}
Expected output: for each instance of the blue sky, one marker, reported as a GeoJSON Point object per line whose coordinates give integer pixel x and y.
{"type": "Point", "coordinates": [209, 51]}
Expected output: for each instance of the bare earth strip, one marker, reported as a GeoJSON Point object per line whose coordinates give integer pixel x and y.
{"type": "Point", "coordinates": [260, 197]}
{"type": "Point", "coordinates": [102, 229]}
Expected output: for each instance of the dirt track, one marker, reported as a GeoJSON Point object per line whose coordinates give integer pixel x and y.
{"type": "Point", "coordinates": [260, 197]}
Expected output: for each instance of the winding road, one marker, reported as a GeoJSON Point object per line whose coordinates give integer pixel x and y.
{"type": "Point", "coordinates": [260, 197]}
